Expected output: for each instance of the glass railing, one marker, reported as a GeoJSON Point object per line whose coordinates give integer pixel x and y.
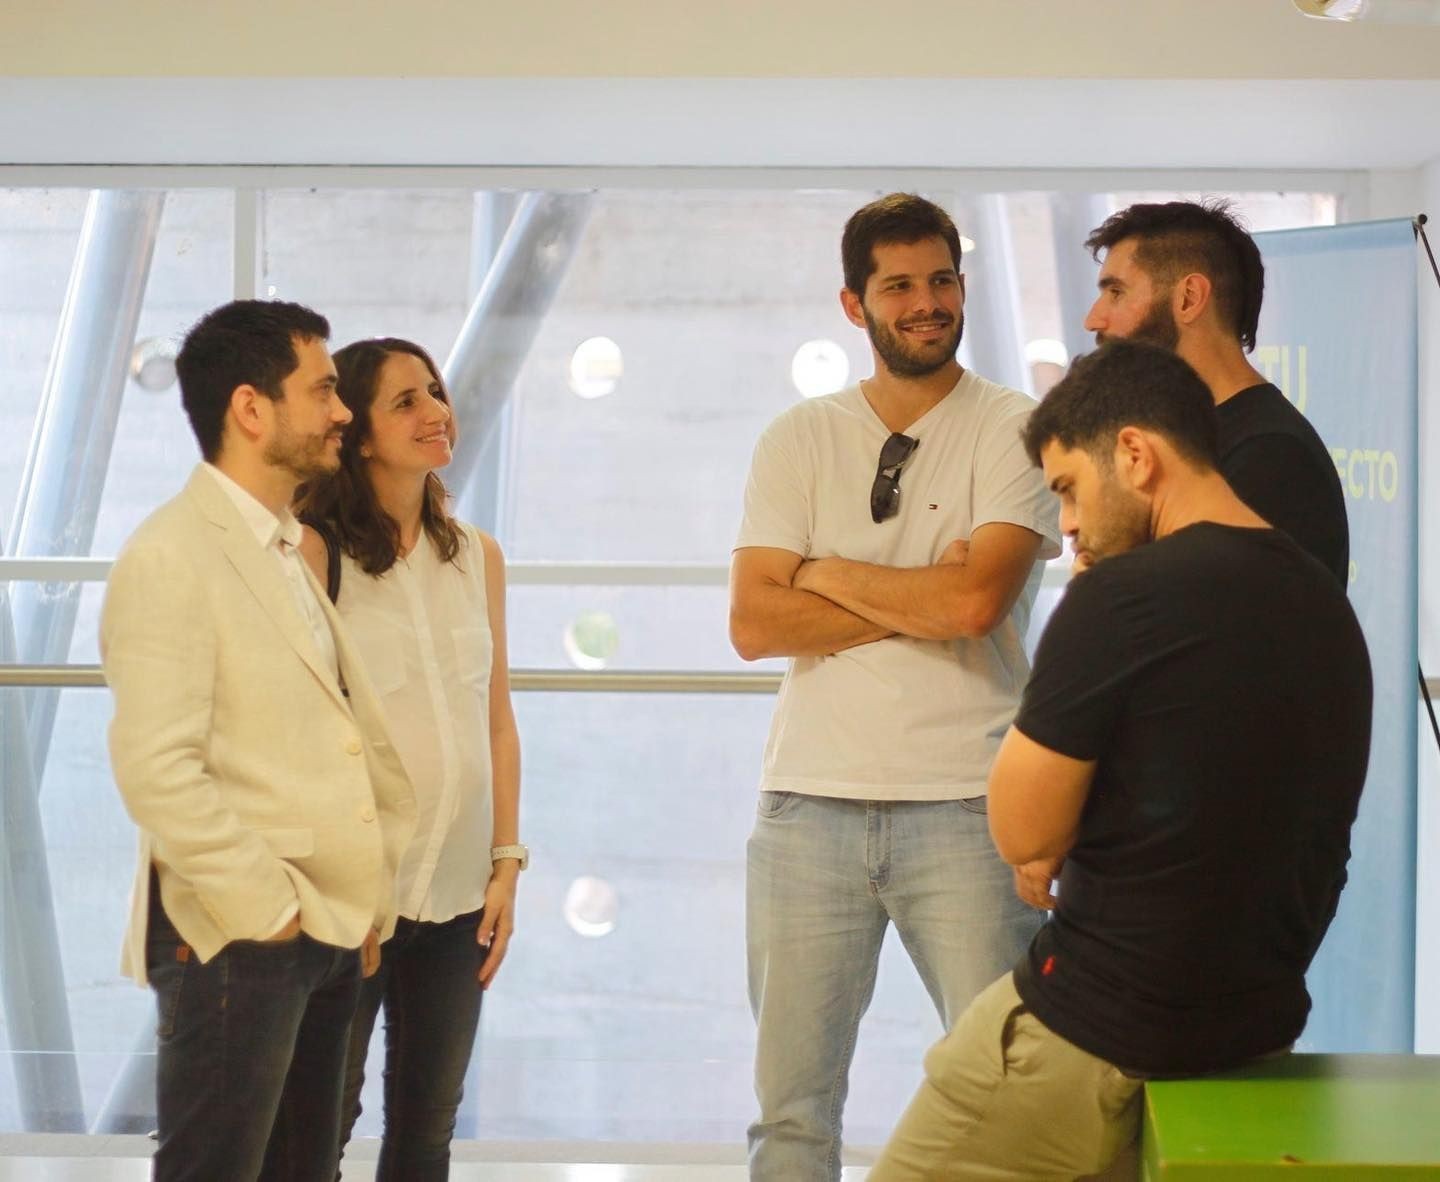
{"type": "Point", "coordinates": [621, 1012]}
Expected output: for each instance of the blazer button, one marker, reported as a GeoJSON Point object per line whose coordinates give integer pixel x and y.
{"type": "Point", "coordinates": [353, 747]}
{"type": "Point", "coordinates": [367, 813]}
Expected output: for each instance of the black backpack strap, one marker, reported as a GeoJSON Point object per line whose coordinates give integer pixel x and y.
{"type": "Point", "coordinates": [332, 557]}
{"type": "Point", "coordinates": [332, 565]}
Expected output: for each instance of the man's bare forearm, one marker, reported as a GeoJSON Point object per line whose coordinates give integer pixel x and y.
{"type": "Point", "coordinates": [967, 593]}
{"type": "Point", "coordinates": [778, 621]}
{"type": "Point", "coordinates": [927, 602]}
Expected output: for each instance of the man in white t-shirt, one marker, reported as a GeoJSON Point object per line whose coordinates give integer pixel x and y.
{"type": "Point", "coordinates": [891, 548]}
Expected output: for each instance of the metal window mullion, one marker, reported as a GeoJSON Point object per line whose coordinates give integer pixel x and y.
{"type": "Point", "coordinates": [246, 245]}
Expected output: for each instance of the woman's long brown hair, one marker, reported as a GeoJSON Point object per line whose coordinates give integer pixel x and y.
{"type": "Point", "coordinates": [345, 503]}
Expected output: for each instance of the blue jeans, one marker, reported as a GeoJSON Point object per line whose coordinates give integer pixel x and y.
{"type": "Point", "coordinates": [825, 877]}
{"type": "Point", "coordinates": [251, 1054]}
{"type": "Point", "coordinates": [428, 983]}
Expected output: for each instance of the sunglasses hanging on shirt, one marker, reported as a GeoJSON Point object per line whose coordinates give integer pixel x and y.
{"type": "Point", "coordinates": [885, 492]}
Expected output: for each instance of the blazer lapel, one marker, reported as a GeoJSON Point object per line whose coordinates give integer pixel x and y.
{"type": "Point", "coordinates": [259, 573]}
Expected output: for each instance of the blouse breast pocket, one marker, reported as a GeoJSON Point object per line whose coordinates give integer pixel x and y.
{"type": "Point", "coordinates": [384, 657]}
{"type": "Point", "coordinates": [472, 656]}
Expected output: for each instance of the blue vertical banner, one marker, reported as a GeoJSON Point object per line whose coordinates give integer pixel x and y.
{"type": "Point", "coordinates": [1339, 335]}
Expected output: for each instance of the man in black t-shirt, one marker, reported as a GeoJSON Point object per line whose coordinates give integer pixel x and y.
{"type": "Point", "coordinates": [1188, 278]}
{"type": "Point", "coordinates": [1188, 755]}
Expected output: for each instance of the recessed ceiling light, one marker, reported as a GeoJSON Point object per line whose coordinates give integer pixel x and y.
{"type": "Point", "coordinates": [1382, 12]}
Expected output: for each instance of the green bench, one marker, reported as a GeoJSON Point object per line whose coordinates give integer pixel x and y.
{"type": "Point", "coordinates": [1350, 1117]}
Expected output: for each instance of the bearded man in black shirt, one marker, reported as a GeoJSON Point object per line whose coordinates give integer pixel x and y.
{"type": "Point", "coordinates": [1188, 278]}
{"type": "Point", "coordinates": [1188, 757]}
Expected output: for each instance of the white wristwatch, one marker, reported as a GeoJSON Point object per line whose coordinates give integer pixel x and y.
{"type": "Point", "coordinates": [520, 853]}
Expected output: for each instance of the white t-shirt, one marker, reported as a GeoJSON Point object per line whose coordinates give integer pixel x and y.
{"type": "Point", "coordinates": [423, 631]}
{"type": "Point", "coordinates": [900, 718]}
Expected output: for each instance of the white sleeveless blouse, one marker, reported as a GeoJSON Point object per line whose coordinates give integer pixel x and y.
{"type": "Point", "coordinates": [423, 631]}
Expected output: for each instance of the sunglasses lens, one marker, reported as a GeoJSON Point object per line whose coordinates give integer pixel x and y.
{"type": "Point", "coordinates": [897, 450]}
{"type": "Point", "coordinates": [884, 498]}
{"type": "Point", "coordinates": [885, 492]}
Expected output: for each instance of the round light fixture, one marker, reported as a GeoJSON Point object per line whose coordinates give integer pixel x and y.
{"type": "Point", "coordinates": [591, 907]}
{"type": "Point", "coordinates": [1046, 359]}
{"type": "Point", "coordinates": [819, 367]}
{"type": "Point", "coordinates": [152, 364]}
{"type": "Point", "coordinates": [1380, 12]}
{"type": "Point", "coordinates": [596, 367]}
{"type": "Point", "coordinates": [1333, 10]}
{"type": "Point", "coordinates": [590, 640]}
{"type": "Point", "coordinates": [1047, 351]}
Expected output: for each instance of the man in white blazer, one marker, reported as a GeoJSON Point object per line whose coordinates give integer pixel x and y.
{"type": "Point", "coordinates": [250, 750]}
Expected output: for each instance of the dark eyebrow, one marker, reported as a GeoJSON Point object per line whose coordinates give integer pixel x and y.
{"type": "Point", "coordinates": [1056, 483]}
{"type": "Point", "coordinates": [1108, 283]}
{"type": "Point", "coordinates": [949, 272]}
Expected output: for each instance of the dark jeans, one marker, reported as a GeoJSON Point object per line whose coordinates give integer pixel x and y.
{"type": "Point", "coordinates": [428, 984]}
{"type": "Point", "coordinates": [251, 1056]}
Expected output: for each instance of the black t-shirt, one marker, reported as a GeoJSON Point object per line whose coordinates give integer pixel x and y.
{"type": "Point", "coordinates": [1277, 463]}
{"type": "Point", "coordinates": [1220, 679]}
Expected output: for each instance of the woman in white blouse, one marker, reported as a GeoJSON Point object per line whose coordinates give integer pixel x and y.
{"type": "Point", "coordinates": [424, 597]}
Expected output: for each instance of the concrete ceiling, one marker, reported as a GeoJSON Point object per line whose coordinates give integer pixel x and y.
{"type": "Point", "coordinates": [1035, 39]}
{"type": "Point", "coordinates": [996, 84]}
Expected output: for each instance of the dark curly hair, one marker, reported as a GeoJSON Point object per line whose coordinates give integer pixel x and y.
{"type": "Point", "coordinates": [242, 343]}
{"type": "Point", "coordinates": [1178, 237]}
{"type": "Point", "coordinates": [345, 504]}
{"type": "Point", "coordinates": [899, 218]}
{"type": "Point", "coordinates": [1126, 384]}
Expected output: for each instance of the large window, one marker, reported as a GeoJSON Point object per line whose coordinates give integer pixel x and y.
{"type": "Point", "coordinates": [612, 443]}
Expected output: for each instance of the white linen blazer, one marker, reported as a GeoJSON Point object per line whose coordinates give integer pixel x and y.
{"type": "Point", "coordinates": [254, 782]}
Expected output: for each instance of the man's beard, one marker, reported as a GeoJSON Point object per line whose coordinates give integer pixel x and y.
{"type": "Point", "coordinates": [1158, 327]}
{"type": "Point", "coordinates": [1124, 523]}
{"type": "Point", "coordinates": [913, 360]}
{"type": "Point", "coordinates": [303, 457]}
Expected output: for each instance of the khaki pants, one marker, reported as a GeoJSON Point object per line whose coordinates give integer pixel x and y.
{"type": "Point", "coordinates": [1005, 1097]}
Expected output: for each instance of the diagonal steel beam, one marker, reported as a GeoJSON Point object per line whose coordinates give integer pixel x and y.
{"type": "Point", "coordinates": [69, 457]}
{"type": "Point", "coordinates": [992, 297]}
{"type": "Point", "coordinates": [482, 501]}
{"type": "Point", "coordinates": [55, 516]}
{"type": "Point", "coordinates": [516, 278]}
{"type": "Point", "coordinates": [1072, 217]}
{"type": "Point", "coordinates": [505, 316]}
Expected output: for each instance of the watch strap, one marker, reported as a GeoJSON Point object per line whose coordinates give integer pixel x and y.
{"type": "Point", "coordinates": [520, 853]}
